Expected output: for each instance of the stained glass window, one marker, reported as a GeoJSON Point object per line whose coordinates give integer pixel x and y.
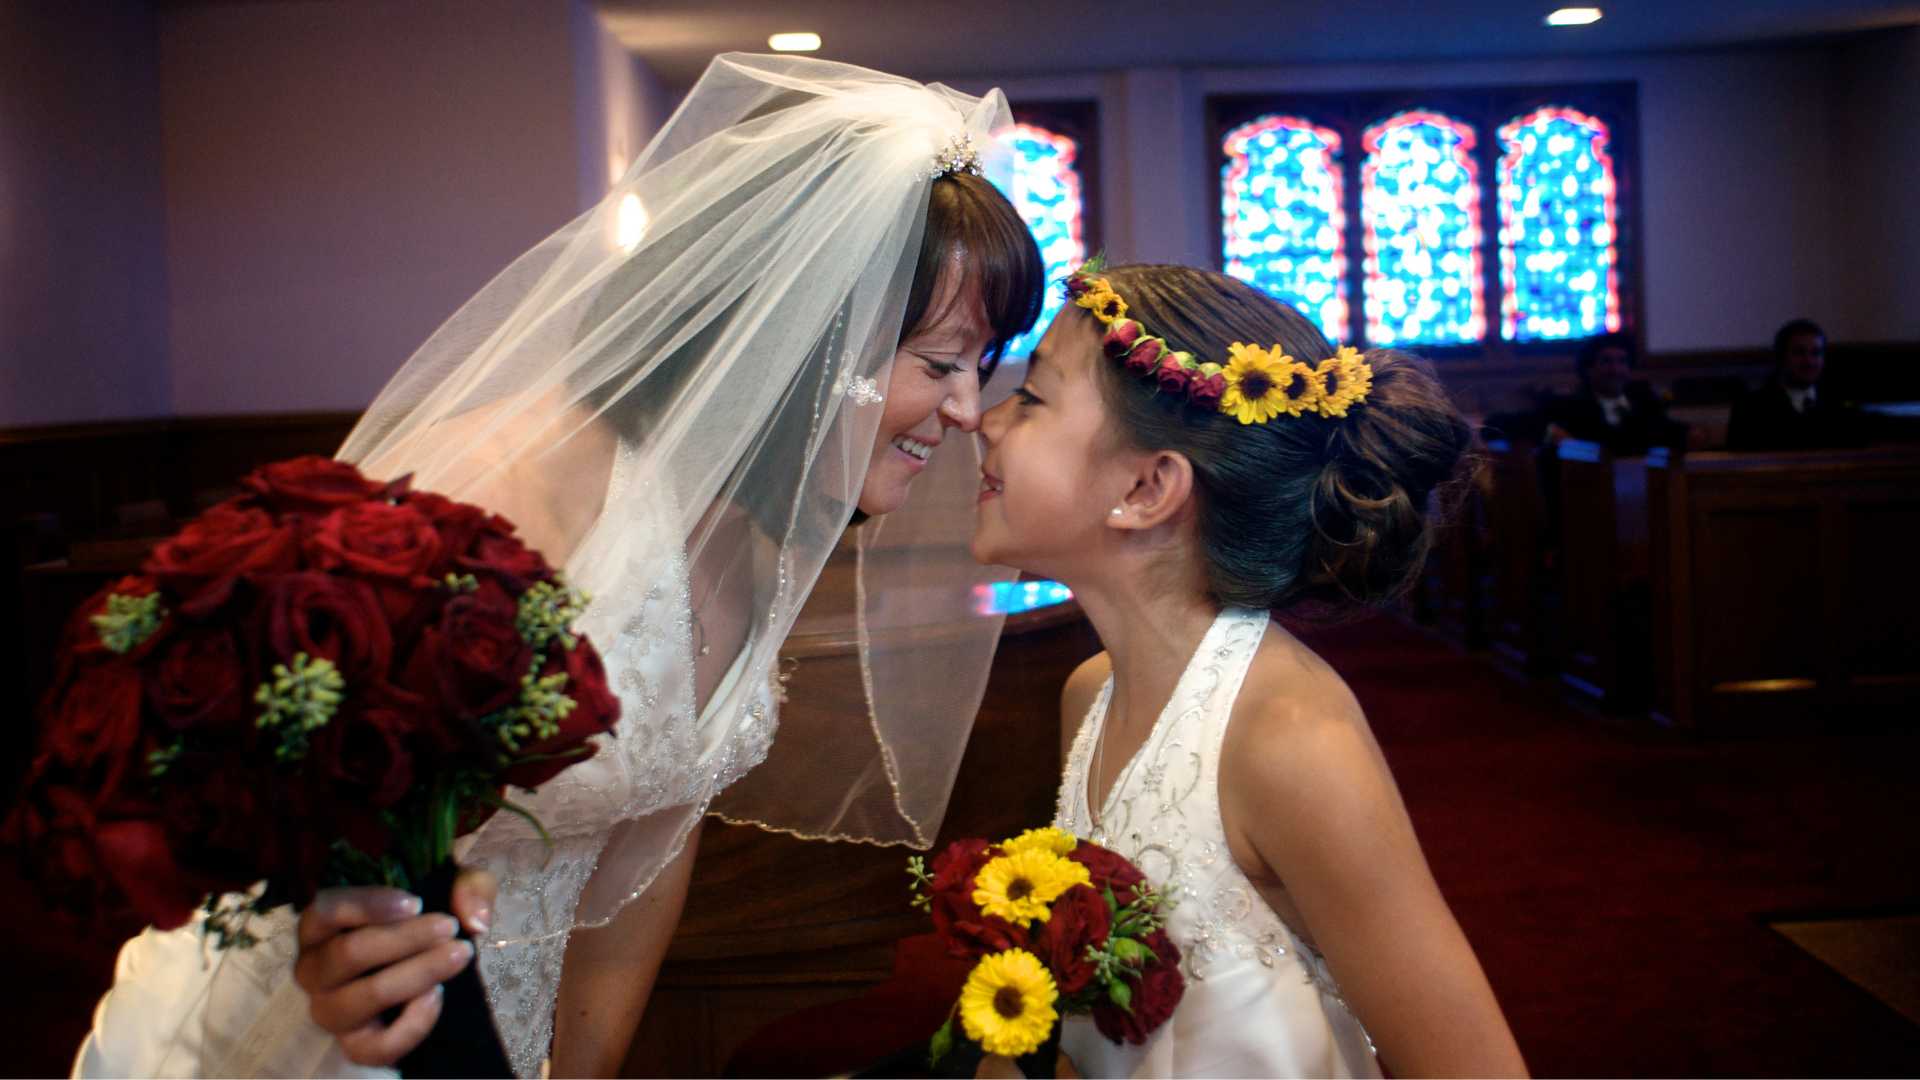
{"type": "Point", "coordinates": [1559, 222]}
{"type": "Point", "coordinates": [1420, 217]}
{"type": "Point", "coordinates": [1045, 188]}
{"type": "Point", "coordinates": [1284, 224]}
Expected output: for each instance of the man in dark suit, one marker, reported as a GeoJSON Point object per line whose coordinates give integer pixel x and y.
{"type": "Point", "coordinates": [1789, 412]}
{"type": "Point", "coordinates": [1612, 408]}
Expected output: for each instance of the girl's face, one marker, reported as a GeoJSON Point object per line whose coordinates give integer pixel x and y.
{"type": "Point", "coordinates": [934, 388]}
{"type": "Point", "coordinates": [1052, 470]}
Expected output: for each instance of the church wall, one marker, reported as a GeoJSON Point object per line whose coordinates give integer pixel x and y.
{"type": "Point", "coordinates": [1876, 163]}
{"type": "Point", "coordinates": [82, 266]}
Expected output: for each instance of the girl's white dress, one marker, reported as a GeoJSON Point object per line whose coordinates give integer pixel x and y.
{"type": "Point", "coordinates": [1259, 1001]}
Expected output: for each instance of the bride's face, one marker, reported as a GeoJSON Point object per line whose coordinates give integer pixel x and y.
{"type": "Point", "coordinates": [933, 390]}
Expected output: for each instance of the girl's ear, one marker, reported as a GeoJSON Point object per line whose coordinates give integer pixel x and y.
{"type": "Point", "coordinates": [1162, 490]}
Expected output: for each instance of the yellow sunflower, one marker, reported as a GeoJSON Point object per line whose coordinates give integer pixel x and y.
{"type": "Point", "coordinates": [1018, 886]}
{"type": "Point", "coordinates": [1105, 304]}
{"type": "Point", "coordinates": [1345, 379]}
{"type": "Point", "coordinates": [1057, 841]}
{"type": "Point", "coordinates": [1007, 1004]}
{"type": "Point", "coordinates": [1264, 383]}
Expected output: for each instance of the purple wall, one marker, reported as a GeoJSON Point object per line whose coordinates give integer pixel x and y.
{"type": "Point", "coordinates": [82, 264]}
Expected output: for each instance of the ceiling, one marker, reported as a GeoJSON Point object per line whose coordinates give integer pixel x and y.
{"type": "Point", "coordinates": [961, 38]}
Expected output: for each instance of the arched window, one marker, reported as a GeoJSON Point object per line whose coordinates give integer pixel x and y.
{"type": "Point", "coordinates": [1420, 212]}
{"type": "Point", "coordinates": [1282, 218]}
{"type": "Point", "coordinates": [1045, 187]}
{"type": "Point", "coordinates": [1559, 226]}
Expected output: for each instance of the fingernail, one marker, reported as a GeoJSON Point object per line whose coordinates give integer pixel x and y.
{"type": "Point", "coordinates": [480, 920]}
{"type": "Point", "coordinates": [460, 952]}
{"type": "Point", "coordinates": [445, 926]}
{"type": "Point", "coordinates": [410, 905]}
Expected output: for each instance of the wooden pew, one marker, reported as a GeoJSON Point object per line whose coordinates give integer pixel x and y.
{"type": "Point", "coordinates": [1785, 590]}
{"type": "Point", "coordinates": [1518, 626]}
{"type": "Point", "coordinates": [1452, 596]}
{"type": "Point", "coordinates": [1603, 562]}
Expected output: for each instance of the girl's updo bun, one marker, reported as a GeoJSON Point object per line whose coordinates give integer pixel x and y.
{"type": "Point", "coordinates": [1302, 508]}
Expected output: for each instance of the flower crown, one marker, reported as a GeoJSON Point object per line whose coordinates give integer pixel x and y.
{"type": "Point", "coordinates": [1253, 386]}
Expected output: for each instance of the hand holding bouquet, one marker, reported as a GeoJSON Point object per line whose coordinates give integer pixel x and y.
{"type": "Point", "coordinates": [1057, 926]}
{"type": "Point", "coordinates": [323, 681]}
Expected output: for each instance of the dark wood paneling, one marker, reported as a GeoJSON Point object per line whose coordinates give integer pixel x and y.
{"type": "Point", "coordinates": [1518, 547]}
{"type": "Point", "coordinates": [1603, 560]}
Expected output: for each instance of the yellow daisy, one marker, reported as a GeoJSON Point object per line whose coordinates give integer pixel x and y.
{"type": "Point", "coordinates": [1007, 1004]}
{"type": "Point", "coordinates": [1019, 886]}
{"type": "Point", "coordinates": [1345, 379]}
{"type": "Point", "coordinates": [1057, 841]}
{"type": "Point", "coordinates": [1105, 304]}
{"type": "Point", "coordinates": [1264, 383]}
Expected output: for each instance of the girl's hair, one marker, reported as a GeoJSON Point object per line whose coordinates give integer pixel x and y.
{"type": "Point", "coordinates": [1301, 508]}
{"type": "Point", "coordinates": [968, 215]}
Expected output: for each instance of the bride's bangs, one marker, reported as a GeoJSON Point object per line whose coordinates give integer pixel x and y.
{"type": "Point", "coordinates": [967, 215]}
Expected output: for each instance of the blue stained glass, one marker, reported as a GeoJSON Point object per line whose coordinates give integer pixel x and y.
{"type": "Point", "coordinates": [1045, 188]}
{"type": "Point", "coordinates": [1014, 597]}
{"type": "Point", "coordinates": [1559, 226]}
{"type": "Point", "coordinates": [1283, 227]}
{"type": "Point", "coordinates": [1420, 217]}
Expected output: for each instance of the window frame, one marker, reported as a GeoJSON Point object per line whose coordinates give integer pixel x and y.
{"type": "Point", "coordinates": [1485, 108]}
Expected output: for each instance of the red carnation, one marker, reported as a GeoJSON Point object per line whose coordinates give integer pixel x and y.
{"type": "Point", "coordinates": [1155, 993]}
{"type": "Point", "coordinates": [1077, 920]}
{"type": "Point", "coordinates": [1109, 871]}
{"type": "Point", "coordinates": [202, 561]}
{"type": "Point", "coordinates": [310, 484]}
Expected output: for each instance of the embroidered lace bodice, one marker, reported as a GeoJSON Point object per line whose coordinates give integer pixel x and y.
{"type": "Point", "coordinates": [1259, 1000]}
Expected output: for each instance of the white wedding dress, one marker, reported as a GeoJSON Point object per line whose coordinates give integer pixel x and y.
{"type": "Point", "coordinates": [1259, 1000]}
{"type": "Point", "coordinates": [180, 1008]}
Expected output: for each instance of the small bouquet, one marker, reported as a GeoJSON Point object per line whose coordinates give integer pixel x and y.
{"type": "Point", "coordinates": [1056, 926]}
{"type": "Point", "coordinates": [323, 681]}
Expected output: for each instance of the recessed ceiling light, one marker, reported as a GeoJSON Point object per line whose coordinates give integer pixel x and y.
{"type": "Point", "coordinates": [794, 42]}
{"type": "Point", "coordinates": [1574, 16]}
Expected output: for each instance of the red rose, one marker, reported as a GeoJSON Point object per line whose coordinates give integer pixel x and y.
{"type": "Point", "coordinates": [1108, 871]}
{"type": "Point", "coordinates": [326, 616]}
{"type": "Point", "coordinates": [94, 717]}
{"type": "Point", "coordinates": [202, 561]}
{"type": "Point", "coordinates": [138, 859]}
{"type": "Point", "coordinates": [505, 557]}
{"type": "Point", "coordinates": [377, 539]}
{"type": "Point", "coordinates": [472, 660]}
{"type": "Point", "coordinates": [595, 710]}
{"type": "Point", "coordinates": [958, 920]}
{"type": "Point", "coordinates": [1077, 920]}
{"type": "Point", "coordinates": [1205, 391]}
{"type": "Point", "coordinates": [1155, 993]}
{"type": "Point", "coordinates": [310, 484]}
{"type": "Point", "coordinates": [200, 682]}
{"type": "Point", "coordinates": [457, 523]}
{"type": "Point", "coordinates": [80, 640]}
{"type": "Point", "coordinates": [1120, 338]}
{"type": "Point", "coordinates": [1172, 375]}
{"type": "Point", "coordinates": [364, 749]}
{"type": "Point", "coordinates": [1145, 356]}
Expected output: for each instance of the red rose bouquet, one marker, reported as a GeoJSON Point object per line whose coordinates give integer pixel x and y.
{"type": "Point", "coordinates": [1056, 926]}
{"type": "Point", "coordinates": [323, 681]}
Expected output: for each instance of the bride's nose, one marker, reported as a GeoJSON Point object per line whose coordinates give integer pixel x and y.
{"type": "Point", "coordinates": [961, 409]}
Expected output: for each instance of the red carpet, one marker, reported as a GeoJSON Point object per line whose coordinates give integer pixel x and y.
{"type": "Point", "coordinates": [1616, 882]}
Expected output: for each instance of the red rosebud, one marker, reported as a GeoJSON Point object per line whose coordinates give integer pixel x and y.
{"type": "Point", "coordinates": [1173, 375]}
{"type": "Point", "coordinates": [332, 617]}
{"type": "Point", "coordinates": [310, 484]}
{"type": "Point", "coordinates": [1155, 994]}
{"type": "Point", "coordinates": [202, 561]}
{"type": "Point", "coordinates": [595, 710]}
{"type": "Point", "coordinates": [1120, 338]}
{"type": "Point", "coordinates": [1205, 390]}
{"type": "Point", "coordinates": [199, 682]}
{"type": "Point", "coordinates": [1146, 356]}
{"type": "Point", "coordinates": [1078, 919]}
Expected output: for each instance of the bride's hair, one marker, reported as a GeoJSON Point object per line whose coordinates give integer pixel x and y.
{"type": "Point", "coordinates": [968, 215]}
{"type": "Point", "coordinates": [1299, 509]}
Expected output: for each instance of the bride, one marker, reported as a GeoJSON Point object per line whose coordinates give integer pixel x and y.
{"type": "Point", "coordinates": [767, 329]}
